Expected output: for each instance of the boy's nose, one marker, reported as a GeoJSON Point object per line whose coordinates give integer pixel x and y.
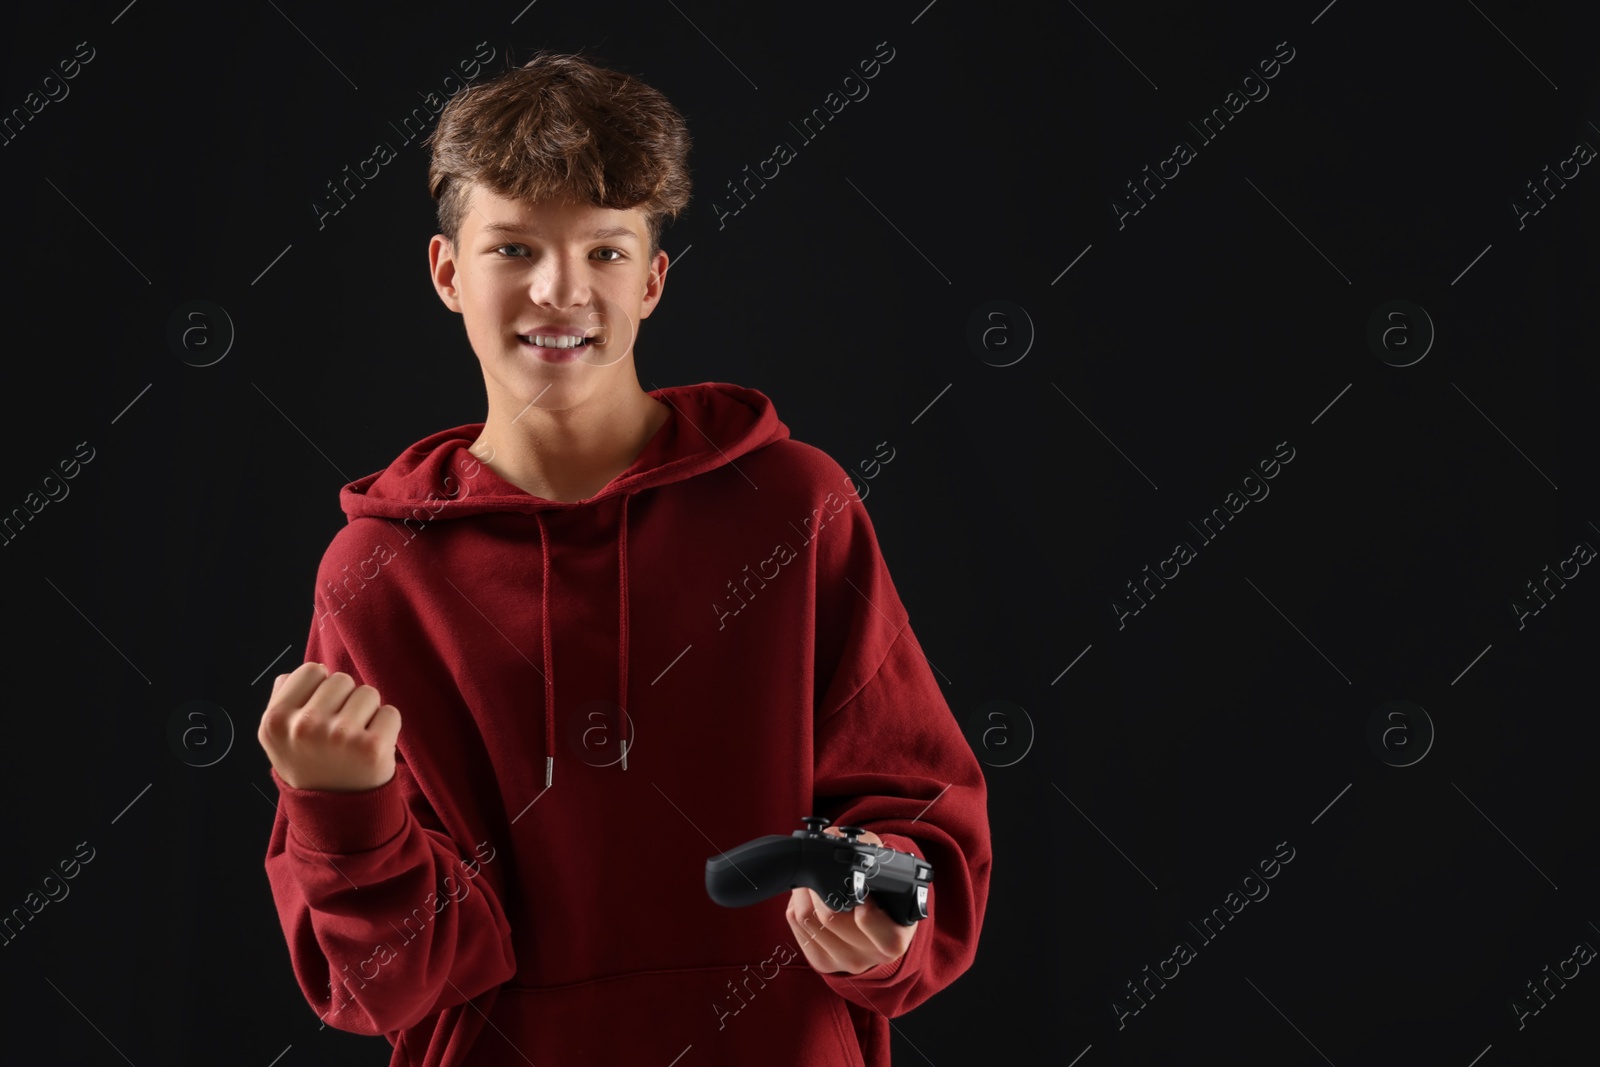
{"type": "Point", "coordinates": [559, 283]}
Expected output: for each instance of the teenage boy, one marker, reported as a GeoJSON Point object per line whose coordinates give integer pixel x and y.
{"type": "Point", "coordinates": [627, 631]}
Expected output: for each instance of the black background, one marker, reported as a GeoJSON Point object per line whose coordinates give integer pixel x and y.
{"type": "Point", "coordinates": [1128, 794]}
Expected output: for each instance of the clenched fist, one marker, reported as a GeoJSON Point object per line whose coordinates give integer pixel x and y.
{"type": "Point", "coordinates": [322, 731]}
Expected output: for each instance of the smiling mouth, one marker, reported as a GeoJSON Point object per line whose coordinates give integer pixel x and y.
{"type": "Point", "coordinates": [558, 343]}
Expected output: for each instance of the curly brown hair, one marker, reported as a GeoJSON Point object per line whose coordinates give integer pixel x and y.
{"type": "Point", "coordinates": [561, 127]}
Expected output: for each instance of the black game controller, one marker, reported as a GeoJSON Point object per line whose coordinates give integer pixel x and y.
{"type": "Point", "coordinates": [841, 869]}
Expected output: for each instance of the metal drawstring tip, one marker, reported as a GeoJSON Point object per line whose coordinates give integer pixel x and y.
{"type": "Point", "coordinates": [624, 753]}
{"type": "Point", "coordinates": [549, 770]}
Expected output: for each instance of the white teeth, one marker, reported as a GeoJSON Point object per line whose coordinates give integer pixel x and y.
{"type": "Point", "coordinates": [557, 342]}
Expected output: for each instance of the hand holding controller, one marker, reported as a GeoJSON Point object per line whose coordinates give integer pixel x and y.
{"type": "Point", "coordinates": [842, 870]}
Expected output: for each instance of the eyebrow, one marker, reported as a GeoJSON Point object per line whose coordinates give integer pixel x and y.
{"type": "Point", "coordinates": [513, 229]}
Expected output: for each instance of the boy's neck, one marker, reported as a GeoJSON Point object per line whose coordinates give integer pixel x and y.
{"type": "Point", "coordinates": [570, 455]}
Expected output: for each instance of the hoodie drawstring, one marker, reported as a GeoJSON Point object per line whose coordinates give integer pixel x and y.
{"type": "Point", "coordinates": [549, 682]}
{"type": "Point", "coordinates": [622, 627]}
{"type": "Point", "coordinates": [622, 641]}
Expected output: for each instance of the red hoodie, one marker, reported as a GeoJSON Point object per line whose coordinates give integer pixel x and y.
{"type": "Point", "coordinates": [530, 885]}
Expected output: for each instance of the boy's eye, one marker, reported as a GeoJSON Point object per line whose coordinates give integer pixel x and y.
{"type": "Point", "coordinates": [502, 248]}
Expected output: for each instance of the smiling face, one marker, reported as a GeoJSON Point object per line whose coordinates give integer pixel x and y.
{"type": "Point", "coordinates": [558, 271]}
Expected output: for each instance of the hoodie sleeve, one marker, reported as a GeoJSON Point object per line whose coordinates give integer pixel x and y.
{"type": "Point", "coordinates": [891, 758]}
{"type": "Point", "coordinates": [388, 919]}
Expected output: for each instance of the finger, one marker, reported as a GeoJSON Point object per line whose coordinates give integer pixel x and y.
{"type": "Point", "coordinates": [846, 946]}
{"type": "Point", "coordinates": [300, 683]}
{"type": "Point", "coordinates": [385, 722]}
{"type": "Point", "coordinates": [866, 836]}
{"type": "Point", "coordinates": [358, 709]}
{"type": "Point", "coordinates": [845, 926]}
{"type": "Point", "coordinates": [329, 695]}
{"type": "Point", "coordinates": [806, 928]}
{"type": "Point", "coordinates": [880, 931]}
{"type": "Point", "coordinates": [802, 915]}
{"type": "Point", "coordinates": [288, 697]}
{"type": "Point", "coordinates": [816, 923]}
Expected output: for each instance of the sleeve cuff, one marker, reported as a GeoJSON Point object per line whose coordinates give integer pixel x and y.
{"type": "Point", "coordinates": [881, 971]}
{"type": "Point", "coordinates": [343, 822]}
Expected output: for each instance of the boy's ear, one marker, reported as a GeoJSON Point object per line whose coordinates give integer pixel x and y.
{"type": "Point", "coordinates": [655, 283]}
{"type": "Point", "coordinates": [442, 268]}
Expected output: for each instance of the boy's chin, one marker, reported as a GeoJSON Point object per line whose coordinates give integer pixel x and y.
{"type": "Point", "coordinates": [549, 389]}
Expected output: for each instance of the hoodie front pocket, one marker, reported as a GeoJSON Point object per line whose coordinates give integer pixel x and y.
{"type": "Point", "coordinates": [690, 1017]}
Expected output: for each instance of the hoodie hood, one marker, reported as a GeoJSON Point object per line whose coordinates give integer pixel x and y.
{"type": "Point", "coordinates": [710, 425]}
